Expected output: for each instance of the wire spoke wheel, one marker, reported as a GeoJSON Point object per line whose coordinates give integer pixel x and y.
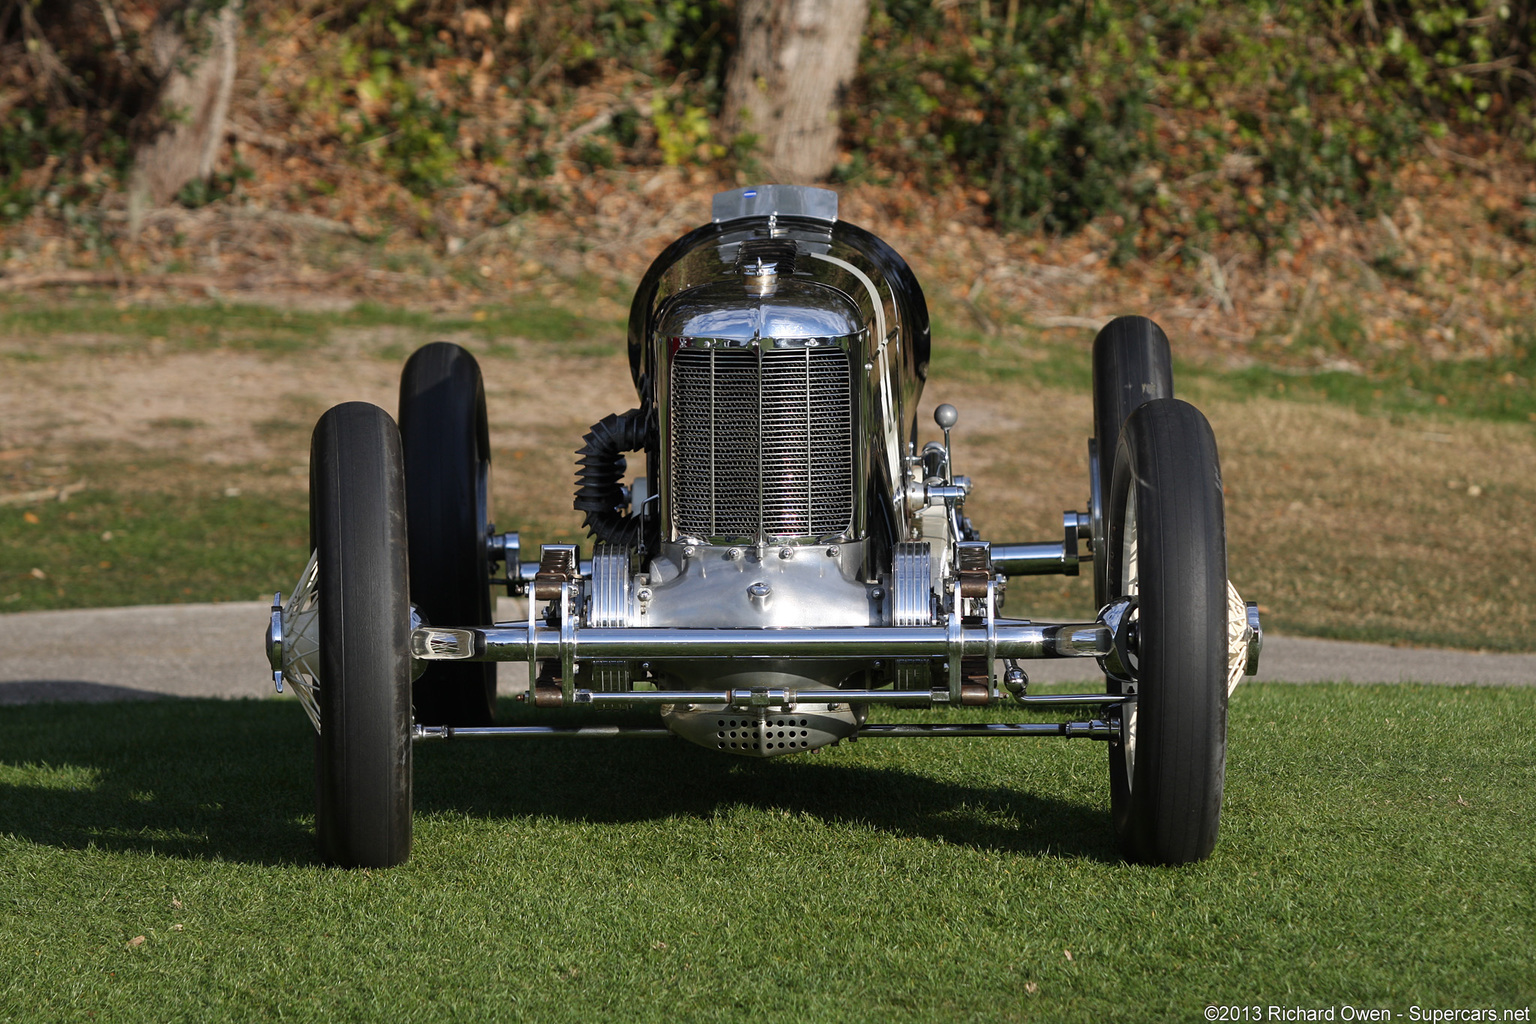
{"type": "Point", "coordinates": [1167, 549]}
{"type": "Point", "coordinates": [361, 667]}
{"type": "Point", "coordinates": [1130, 586]}
{"type": "Point", "coordinates": [301, 640]}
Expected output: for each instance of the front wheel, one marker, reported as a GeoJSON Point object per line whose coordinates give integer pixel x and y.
{"type": "Point", "coordinates": [357, 531]}
{"type": "Point", "coordinates": [1167, 551]}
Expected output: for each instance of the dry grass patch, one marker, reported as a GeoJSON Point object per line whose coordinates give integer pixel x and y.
{"type": "Point", "coordinates": [1405, 529]}
{"type": "Point", "coordinates": [1412, 529]}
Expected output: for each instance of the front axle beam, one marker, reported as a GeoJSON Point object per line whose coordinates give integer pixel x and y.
{"type": "Point", "coordinates": [531, 641]}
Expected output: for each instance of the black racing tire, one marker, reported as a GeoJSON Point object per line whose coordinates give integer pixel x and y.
{"type": "Point", "coordinates": [1131, 365]}
{"type": "Point", "coordinates": [1167, 768]}
{"type": "Point", "coordinates": [446, 442]}
{"type": "Point", "coordinates": [357, 530]}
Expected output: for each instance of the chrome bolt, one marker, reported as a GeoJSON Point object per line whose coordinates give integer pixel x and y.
{"type": "Point", "coordinates": [643, 594]}
{"type": "Point", "coordinates": [734, 554]}
{"type": "Point", "coordinates": [786, 553]}
{"type": "Point", "coordinates": [833, 551]}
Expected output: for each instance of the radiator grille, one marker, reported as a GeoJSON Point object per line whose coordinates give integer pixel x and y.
{"type": "Point", "coordinates": [761, 443]}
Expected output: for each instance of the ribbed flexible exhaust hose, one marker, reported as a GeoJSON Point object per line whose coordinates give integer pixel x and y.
{"type": "Point", "coordinates": [600, 477]}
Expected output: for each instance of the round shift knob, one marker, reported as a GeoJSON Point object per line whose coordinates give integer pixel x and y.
{"type": "Point", "coordinates": [946, 416]}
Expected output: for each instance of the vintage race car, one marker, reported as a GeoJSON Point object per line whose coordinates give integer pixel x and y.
{"type": "Point", "coordinates": [789, 557]}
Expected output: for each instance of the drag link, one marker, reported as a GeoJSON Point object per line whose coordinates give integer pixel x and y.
{"type": "Point", "coordinates": [582, 732]}
{"type": "Point", "coordinates": [1094, 730]}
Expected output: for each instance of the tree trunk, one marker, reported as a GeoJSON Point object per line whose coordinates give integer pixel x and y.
{"type": "Point", "coordinates": [786, 80]}
{"type": "Point", "coordinates": [194, 45]}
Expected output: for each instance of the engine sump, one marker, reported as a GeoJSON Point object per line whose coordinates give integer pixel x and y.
{"type": "Point", "coordinates": [767, 734]}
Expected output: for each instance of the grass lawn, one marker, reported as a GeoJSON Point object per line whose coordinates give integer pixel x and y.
{"type": "Point", "coordinates": [156, 548]}
{"type": "Point", "coordinates": [1375, 851]}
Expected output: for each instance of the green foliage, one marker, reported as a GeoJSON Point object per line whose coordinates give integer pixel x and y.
{"type": "Point", "coordinates": [596, 153]}
{"type": "Point", "coordinates": [1185, 117]}
{"type": "Point", "coordinates": [375, 94]}
{"type": "Point", "coordinates": [71, 96]}
{"type": "Point", "coordinates": [26, 139]}
{"type": "Point", "coordinates": [397, 87]}
{"type": "Point", "coordinates": [684, 37]}
{"type": "Point", "coordinates": [222, 183]}
{"type": "Point", "coordinates": [1519, 224]}
{"type": "Point", "coordinates": [1045, 108]}
{"type": "Point", "coordinates": [1162, 122]}
{"type": "Point", "coordinates": [1282, 120]}
{"type": "Point", "coordinates": [407, 132]}
{"type": "Point", "coordinates": [682, 132]}
{"type": "Point", "coordinates": [1465, 62]}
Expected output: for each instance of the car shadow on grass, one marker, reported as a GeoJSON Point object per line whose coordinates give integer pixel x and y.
{"type": "Point", "coordinates": [907, 791]}
{"type": "Point", "coordinates": [233, 780]}
{"type": "Point", "coordinates": [203, 779]}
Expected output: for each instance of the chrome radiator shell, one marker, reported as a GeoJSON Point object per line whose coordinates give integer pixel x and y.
{"type": "Point", "coordinates": [766, 283]}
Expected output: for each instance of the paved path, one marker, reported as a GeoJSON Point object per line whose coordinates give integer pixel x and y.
{"type": "Point", "coordinates": [215, 650]}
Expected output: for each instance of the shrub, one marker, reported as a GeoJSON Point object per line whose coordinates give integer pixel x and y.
{"type": "Point", "coordinates": [1185, 117]}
